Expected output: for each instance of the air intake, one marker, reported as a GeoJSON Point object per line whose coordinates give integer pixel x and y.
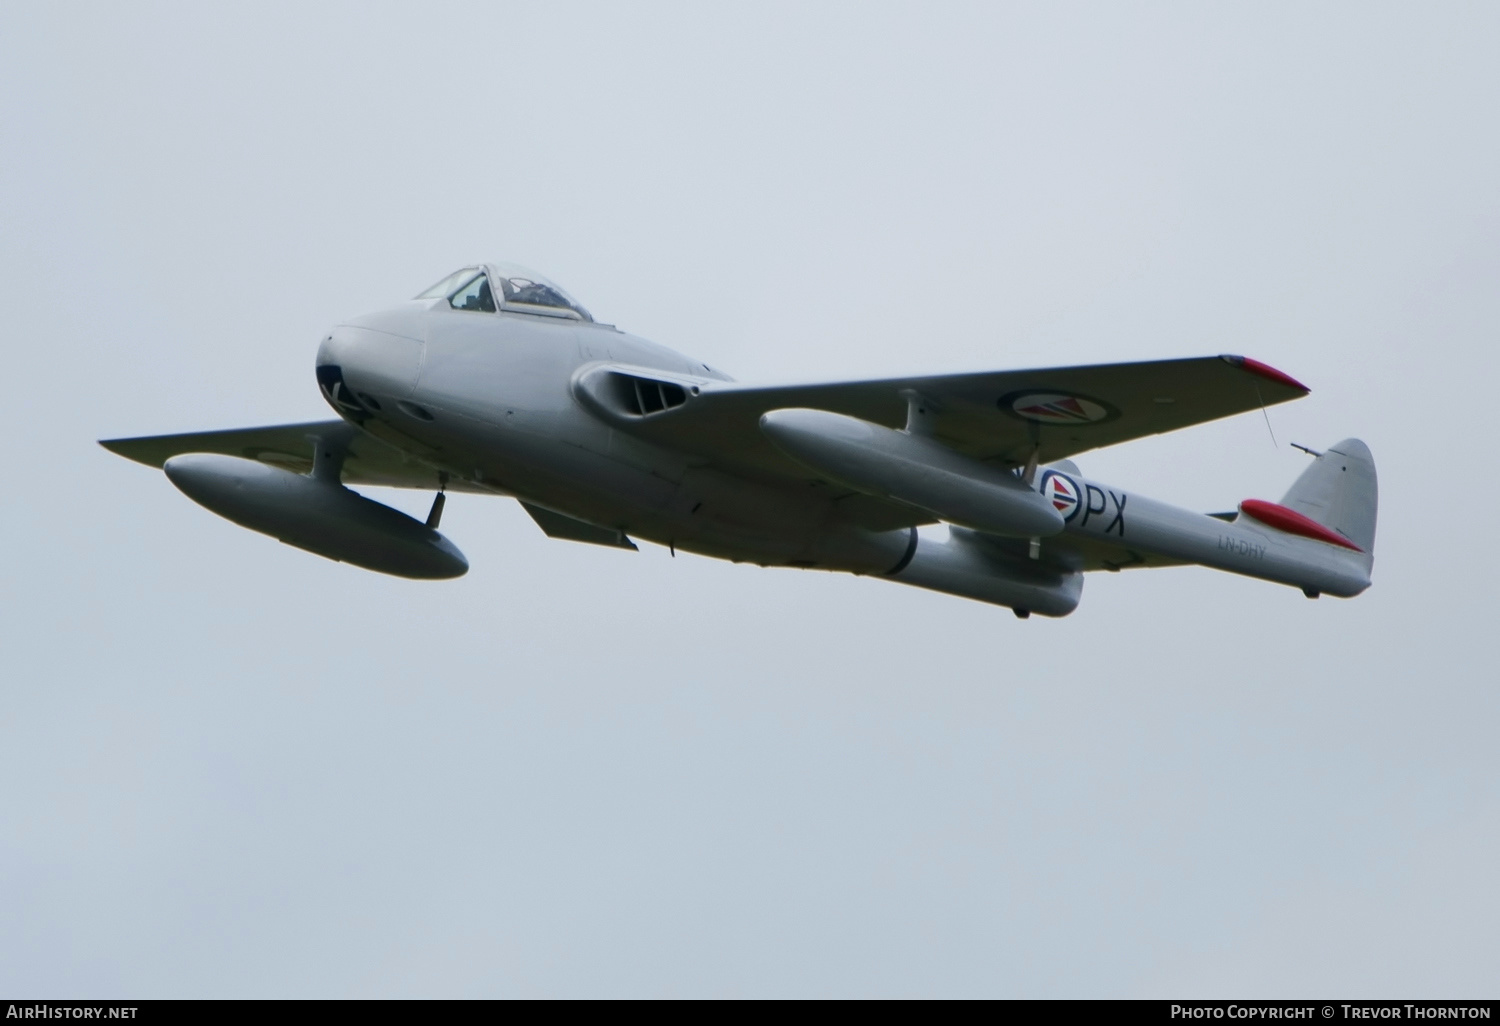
{"type": "Point", "coordinates": [627, 398]}
{"type": "Point", "coordinates": [646, 396]}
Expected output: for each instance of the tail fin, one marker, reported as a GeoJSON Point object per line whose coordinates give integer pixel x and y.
{"type": "Point", "coordinates": [1339, 491]}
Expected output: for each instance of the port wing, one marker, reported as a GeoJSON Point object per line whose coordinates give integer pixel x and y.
{"type": "Point", "coordinates": [370, 461]}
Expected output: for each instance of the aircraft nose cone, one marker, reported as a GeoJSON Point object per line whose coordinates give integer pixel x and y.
{"type": "Point", "coordinates": [335, 349]}
{"type": "Point", "coordinates": [360, 363]}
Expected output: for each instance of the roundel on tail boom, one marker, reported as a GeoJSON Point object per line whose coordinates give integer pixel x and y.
{"type": "Point", "coordinates": [1063, 492]}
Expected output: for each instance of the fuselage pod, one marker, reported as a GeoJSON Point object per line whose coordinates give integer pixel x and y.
{"type": "Point", "coordinates": [918, 471]}
{"type": "Point", "coordinates": [321, 516]}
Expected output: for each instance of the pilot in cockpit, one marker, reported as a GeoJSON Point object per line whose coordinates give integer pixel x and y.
{"type": "Point", "coordinates": [476, 297]}
{"type": "Point", "coordinates": [521, 291]}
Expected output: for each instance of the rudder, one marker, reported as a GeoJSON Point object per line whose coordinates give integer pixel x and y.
{"type": "Point", "coordinates": [1340, 492]}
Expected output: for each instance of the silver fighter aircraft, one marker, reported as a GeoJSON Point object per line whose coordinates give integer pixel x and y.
{"type": "Point", "coordinates": [496, 381]}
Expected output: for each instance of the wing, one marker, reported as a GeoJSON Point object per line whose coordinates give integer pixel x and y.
{"type": "Point", "coordinates": [1001, 417]}
{"type": "Point", "coordinates": [998, 417]}
{"type": "Point", "coordinates": [369, 461]}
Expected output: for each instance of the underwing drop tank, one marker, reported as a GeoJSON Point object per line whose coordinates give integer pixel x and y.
{"type": "Point", "coordinates": [316, 513]}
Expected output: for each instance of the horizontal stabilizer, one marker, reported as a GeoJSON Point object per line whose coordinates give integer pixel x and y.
{"type": "Point", "coordinates": [1289, 521]}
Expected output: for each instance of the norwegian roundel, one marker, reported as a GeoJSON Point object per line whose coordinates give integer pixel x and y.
{"type": "Point", "coordinates": [1055, 408]}
{"type": "Point", "coordinates": [1062, 493]}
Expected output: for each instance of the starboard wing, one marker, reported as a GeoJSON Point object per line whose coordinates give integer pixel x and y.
{"type": "Point", "coordinates": [999, 417]}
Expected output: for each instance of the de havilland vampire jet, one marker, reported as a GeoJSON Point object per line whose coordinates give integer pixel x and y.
{"type": "Point", "coordinates": [495, 381]}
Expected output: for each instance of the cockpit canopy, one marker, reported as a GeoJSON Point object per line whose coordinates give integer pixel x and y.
{"type": "Point", "coordinates": [519, 291]}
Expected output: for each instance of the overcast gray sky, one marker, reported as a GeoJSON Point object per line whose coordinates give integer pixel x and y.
{"type": "Point", "coordinates": [230, 768]}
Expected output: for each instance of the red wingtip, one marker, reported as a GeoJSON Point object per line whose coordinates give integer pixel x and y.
{"type": "Point", "coordinates": [1265, 370]}
{"type": "Point", "coordinates": [1292, 522]}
